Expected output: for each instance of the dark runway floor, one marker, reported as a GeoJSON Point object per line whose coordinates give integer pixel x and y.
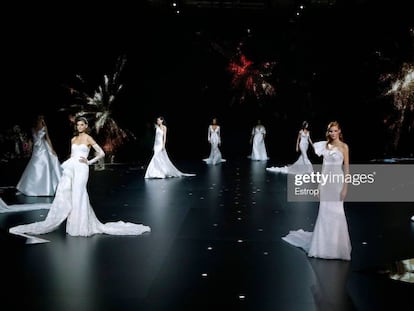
{"type": "Point", "coordinates": [215, 245]}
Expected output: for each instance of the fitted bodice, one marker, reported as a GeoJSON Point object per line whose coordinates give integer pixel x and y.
{"type": "Point", "coordinates": [214, 134]}
{"type": "Point", "coordinates": [80, 150]}
{"type": "Point", "coordinates": [259, 129]}
{"type": "Point", "coordinates": [214, 130]}
{"type": "Point", "coordinates": [333, 156]}
{"type": "Point", "coordinates": [304, 137]}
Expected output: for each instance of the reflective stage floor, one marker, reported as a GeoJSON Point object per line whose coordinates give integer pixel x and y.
{"type": "Point", "coordinates": [215, 245]}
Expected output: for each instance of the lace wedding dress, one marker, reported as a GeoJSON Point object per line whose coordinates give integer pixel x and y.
{"type": "Point", "coordinates": [71, 203]}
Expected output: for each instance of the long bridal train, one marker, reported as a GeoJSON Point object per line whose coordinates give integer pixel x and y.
{"type": "Point", "coordinates": [5, 208]}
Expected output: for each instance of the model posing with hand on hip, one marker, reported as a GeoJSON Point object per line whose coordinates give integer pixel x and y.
{"type": "Point", "coordinates": [71, 202]}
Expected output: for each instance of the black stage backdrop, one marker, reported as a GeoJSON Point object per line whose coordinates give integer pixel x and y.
{"type": "Point", "coordinates": [328, 63]}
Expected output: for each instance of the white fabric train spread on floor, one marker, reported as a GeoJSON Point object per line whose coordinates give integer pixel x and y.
{"type": "Point", "coordinates": [71, 203]}
{"type": "Point", "coordinates": [4, 208]}
{"type": "Point", "coordinates": [160, 165]}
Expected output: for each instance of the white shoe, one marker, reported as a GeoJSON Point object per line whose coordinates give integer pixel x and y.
{"type": "Point", "coordinates": [412, 218]}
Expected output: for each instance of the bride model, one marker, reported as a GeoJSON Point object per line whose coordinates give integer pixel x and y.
{"type": "Point", "coordinates": [257, 140]}
{"type": "Point", "coordinates": [214, 139]}
{"type": "Point", "coordinates": [330, 237]}
{"type": "Point", "coordinates": [303, 164]}
{"type": "Point", "coordinates": [71, 202]}
{"type": "Point", "coordinates": [160, 165]}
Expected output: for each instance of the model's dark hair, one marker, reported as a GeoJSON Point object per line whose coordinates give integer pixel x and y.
{"type": "Point", "coordinates": [162, 119]}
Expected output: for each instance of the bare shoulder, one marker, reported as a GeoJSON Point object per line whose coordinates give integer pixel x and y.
{"type": "Point", "coordinates": [90, 139]}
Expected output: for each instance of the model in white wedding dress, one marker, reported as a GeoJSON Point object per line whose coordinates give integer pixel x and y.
{"type": "Point", "coordinates": [302, 165]}
{"type": "Point", "coordinates": [71, 202]}
{"type": "Point", "coordinates": [257, 141]}
{"type": "Point", "coordinates": [330, 237]}
{"type": "Point", "coordinates": [43, 171]}
{"type": "Point", "coordinates": [160, 165]}
{"type": "Point", "coordinates": [214, 139]}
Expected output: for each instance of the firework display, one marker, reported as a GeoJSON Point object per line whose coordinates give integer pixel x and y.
{"type": "Point", "coordinates": [98, 108]}
{"type": "Point", "coordinates": [402, 91]}
{"type": "Point", "coordinates": [249, 79]}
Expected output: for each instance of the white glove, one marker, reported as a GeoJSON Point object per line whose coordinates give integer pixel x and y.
{"type": "Point", "coordinates": [99, 154]}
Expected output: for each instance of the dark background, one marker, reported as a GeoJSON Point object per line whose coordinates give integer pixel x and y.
{"type": "Point", "coordinates": [328, 63]}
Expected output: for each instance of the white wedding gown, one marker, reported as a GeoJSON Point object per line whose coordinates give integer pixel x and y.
{"type": "Point", "coordinates": [302, 165]}
{"type": "Point", "coordinates": [259, 152]}
{"type": "Point", "coordinates": [160, 165]}
{"type": "Point", "coordinates": [214, 138]}
{"type": "Point", "coordinates": [330, 237]}
{"type": "Point", "coordinates": [71, 203]}
{"type": "Point", "coordinates": [42, 173]}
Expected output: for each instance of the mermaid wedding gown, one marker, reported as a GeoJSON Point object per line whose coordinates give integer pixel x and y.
{"type": "Point", "coordinates": [160, 165]}
{"type": "Point", "coordinates": [302, 165]}
{"type": "Point", "coordinates": [214, 139]}
{"type": "Point", "coordinates": [42, 173]}
{"type": "Point", "coordinates": [330, 237]}
{"type": "Point", "coordinates": [71, 203]}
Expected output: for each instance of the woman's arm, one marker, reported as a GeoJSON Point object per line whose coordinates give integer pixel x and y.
{"type": "Point", "coordinates": [48, 141]}
{"type": "Point", "coordinates": [297, 142]}
{"type": "Point", "coordinates": [345, 152]}
{"type": "Point", "coordinates": [164, 137]}
{"type": "Point", "coordinates": [310, 140]}
{"type": "Point", "coordinates": [99, 153]}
